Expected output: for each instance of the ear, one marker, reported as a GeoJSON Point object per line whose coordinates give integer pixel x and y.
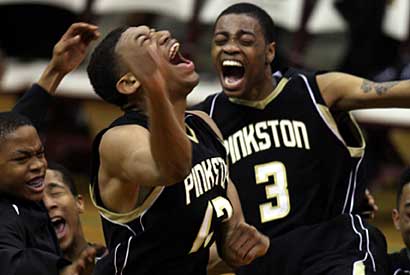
{"type": "Point", "coordinates": [128, 84]}
{"type": "Point", "coordinates": [79, 201]}
{"type": "Point", "coordinates": [270, 52]}
{"type": "Point", "coordinates": [396, 218]}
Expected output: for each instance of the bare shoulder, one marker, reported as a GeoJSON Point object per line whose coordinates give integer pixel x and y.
{"type": "Point", "coordinates": [204, 116]}
{"type": "Point", "coordinates": [118, 142]}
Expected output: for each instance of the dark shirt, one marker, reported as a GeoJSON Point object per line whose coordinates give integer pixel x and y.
{"type": "Point", "coordinates": [28, 244]}
{"type": "Point", "coordinates": [400, 262]}
{"type": "Point", "coordinates": [34, 104]}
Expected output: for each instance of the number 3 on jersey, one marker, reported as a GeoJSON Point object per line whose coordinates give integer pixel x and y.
{"type": "Point", "coordinates": [278, 189]}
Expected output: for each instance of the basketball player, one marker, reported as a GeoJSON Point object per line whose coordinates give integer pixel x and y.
{"type": "Point", "coordinates": [65, 205]}
{"type": "Point", "coordinates": [295, 152]}
{"type": "Point", "coordinates": [159, 177]}
{"type": "Point", "coordinates": [28, 244]}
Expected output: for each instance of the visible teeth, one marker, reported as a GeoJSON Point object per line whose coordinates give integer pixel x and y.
{"type": "Point", "coordinates": [232, 63]}
{"type": "Point", "coordinates": [173, 51]}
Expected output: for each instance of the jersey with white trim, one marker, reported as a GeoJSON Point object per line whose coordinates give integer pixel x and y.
{"type": "Point", "coordinates": [173, 228]}
{"type": "Point", "coordinates": [293, 161]}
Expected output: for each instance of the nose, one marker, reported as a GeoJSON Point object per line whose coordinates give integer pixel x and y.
{"type": "Point", "coordinates": [38, 163]}
{"type": "Point", "coordinates": [49, 202]}
{"type": "Point", "coordinates": [164, 36]}
{"type": "Point", "coordinates": [230, 46]}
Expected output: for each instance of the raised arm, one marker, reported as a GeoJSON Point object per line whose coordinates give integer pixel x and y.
{"type": "Point", "coordinates": [68, 53]}
{"type": "Point", "coordinates": [158, 156]}
{"type": "Point", "coordinates": [348, 92]}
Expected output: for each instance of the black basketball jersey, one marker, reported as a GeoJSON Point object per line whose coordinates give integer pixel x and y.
{"type": "Point", "coordinates": [293, 161]}
{"type": "Point", "coordinates": [400, 262]}
{"type": "Point", "coordinates": [171, 231]}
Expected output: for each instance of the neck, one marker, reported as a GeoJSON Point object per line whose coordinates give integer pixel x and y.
{"type": "Point", "coordinates": [74, 251]}
{"type": "Point", "coordinates": [261, 91]}
{"type": "Point", "coordinates": [262, 87]}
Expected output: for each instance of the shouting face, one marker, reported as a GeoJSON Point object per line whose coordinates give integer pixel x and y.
{"type": "Point", "coordinates": [64, 209]}
{"type": "Point", "coordinates": [242, 57]}
{"type": "Point", "coordinates": [22, 164]}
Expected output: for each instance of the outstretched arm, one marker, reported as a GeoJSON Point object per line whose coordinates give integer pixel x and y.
{"type": "Point", "coordinates": [346, 92]}
{"type": "Point", "coordinates": [68, 53]}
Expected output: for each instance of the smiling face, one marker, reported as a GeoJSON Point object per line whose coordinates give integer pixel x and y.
{"type": "Point", "coordinates": [401, 216]}
{"type": "Point", "coordinates": [22, 164]}
{"type": "Point", "coordinates": [242, 57]}
{"type": "Point", "coordinates": [152, 51]}
{"type": "Point", "coordinates": [64, 210]}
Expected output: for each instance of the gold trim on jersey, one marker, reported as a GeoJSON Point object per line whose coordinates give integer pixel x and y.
{"type": "Point", "coordinates": [261, 104]}
{"type": "Point", "coordinates": [191, 134]}
{"type": "Point", "coordinates": [124, 218]}
{"type": "Point", "coordinates": [359, 268]}
{"type": "Point", "coordinates": [355, 152]}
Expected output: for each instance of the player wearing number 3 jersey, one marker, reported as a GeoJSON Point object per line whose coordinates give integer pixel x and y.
{"type": "Point", "coordinates": [295, 153]}
{"type": "Point", "coordinates": [159, 174]}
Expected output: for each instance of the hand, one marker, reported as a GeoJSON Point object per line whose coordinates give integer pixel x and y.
{"type": "Point", "coordinates": [71, 50]}
{"type": "Point", "coordinates": [68, 54]}
{"type": "Point", "coordinates": [369, 207]}
{"type": "Point", "coordinates": [83, 265]}
{"type": "Point", "coordinates": [244, 245]}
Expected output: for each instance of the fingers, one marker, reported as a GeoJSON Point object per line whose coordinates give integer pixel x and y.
{"type": "Point", "coordinates": [78, 28]}
{"type": "Point", "coordinates": [77, 34]}
{"type": "Point", "coordinates": [247, 243]}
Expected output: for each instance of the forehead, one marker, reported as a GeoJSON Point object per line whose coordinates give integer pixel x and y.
{"type": "Point", "coordinates": [238, 22]}
{"type": "Point", "coordinates": [136, 30]}
{"type": "Point", "coordinates": [24, 138]}
{"type": "Point", "coordinates": [54, 176]}
{"type": "Point", "coordinates": [54, 179]}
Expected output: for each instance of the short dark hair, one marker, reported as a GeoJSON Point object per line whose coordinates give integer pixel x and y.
{"type": "Point", "coordinates": [66, 175]}
{"type": "Point", "coordinates": [404, 179]}
{"type": "Point", "coordinates": [104, 70]}
{"type": "Point", "coordinates": [264, 19]}
{"type": "Point", "coordinates": [11, 121]}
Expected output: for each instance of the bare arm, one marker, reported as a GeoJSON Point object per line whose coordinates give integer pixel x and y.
{"type": "Point", "coordinates": [68, 54]}
{"type": "Point", "coordinates": [162, 155]}
{"type": "Point", "coordinates": [348, 92]}
{"type": "Point", "coordinates": [241, 243]}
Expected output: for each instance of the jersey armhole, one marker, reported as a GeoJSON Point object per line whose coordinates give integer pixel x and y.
{"type": "Point", "coordinates": [311, 77]}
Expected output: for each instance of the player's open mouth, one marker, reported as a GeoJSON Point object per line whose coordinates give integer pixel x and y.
{"type": "Point", "coordinates": [59, 226]}
{"type": "Point", "coordinates": [175, 56]}
{"type": "Point", "coordinates": [36, 184]}
{"type": "Point", "coordinates": [233, 72]}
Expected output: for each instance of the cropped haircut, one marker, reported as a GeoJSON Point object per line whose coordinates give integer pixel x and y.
{"type": "Point", "coordinates": [66, 176]}
{"type": "Point", "coordinates": [404, 179]}
{"type": "Point", "coordinates": [264, 19]}
{"type": "Point", "coordinates": [11, 121]}
{"type": "Point", "coordinates": [104, 70]}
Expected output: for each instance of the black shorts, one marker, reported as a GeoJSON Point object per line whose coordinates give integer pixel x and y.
{"type": "Point", "coordinates": [343, 245]}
